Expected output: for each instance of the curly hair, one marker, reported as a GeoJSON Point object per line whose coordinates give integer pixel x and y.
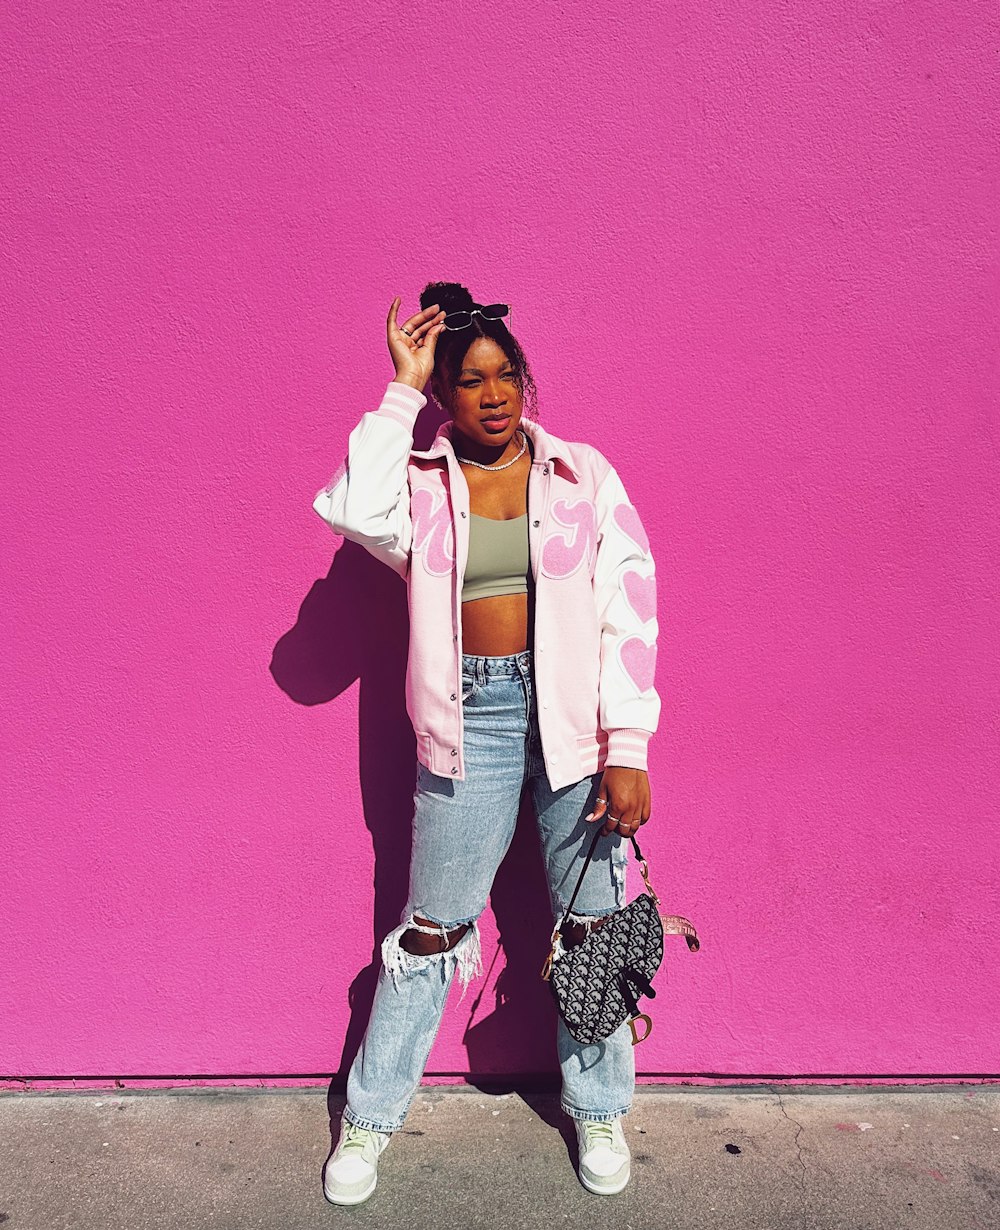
{"type": "Point", "coordinates": [453, 345]}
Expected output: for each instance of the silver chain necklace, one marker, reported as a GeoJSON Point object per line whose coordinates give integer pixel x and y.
{"type": "Point", "coordinates": [469, 462]}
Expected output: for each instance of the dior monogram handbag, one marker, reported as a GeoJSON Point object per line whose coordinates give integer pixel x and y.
{"type": "Point", "coordinates": [597, 983]}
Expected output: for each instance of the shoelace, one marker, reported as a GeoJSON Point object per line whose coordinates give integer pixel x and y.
{"type": "Point", "coordinates": [596, 1134]}
{"type": "Point", "coordinates": [358, 1139]}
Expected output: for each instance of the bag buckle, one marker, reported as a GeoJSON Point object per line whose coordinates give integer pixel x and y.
{"type": "Point", "coordinates": [644, 869]}
{"type": "Point", "coordinates": [547, 967]}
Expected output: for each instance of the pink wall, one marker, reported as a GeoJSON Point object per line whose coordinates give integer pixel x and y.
{"type": "Point", "coordinates": [752, 250]}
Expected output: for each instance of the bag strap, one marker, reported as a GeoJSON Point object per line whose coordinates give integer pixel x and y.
{"type": "Point", "coordinates": [586, 864]}
{"type": "Point", "coordinates": [673, 924]}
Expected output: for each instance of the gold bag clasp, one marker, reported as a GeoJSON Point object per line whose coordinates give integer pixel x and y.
{"type": "Point", "coordinates": [649, 1028]}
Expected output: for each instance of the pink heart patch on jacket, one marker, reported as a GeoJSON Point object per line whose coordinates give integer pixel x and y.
{"type": "Point", "coordinates": [628, 520]}
{"type": "Point", "coordinates": [641, 594]}
{"type": "Point", "coordinates": [639, 661]}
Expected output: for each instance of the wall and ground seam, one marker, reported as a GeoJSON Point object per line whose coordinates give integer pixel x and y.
{"type": "Point", "coordinates": [752, 253]}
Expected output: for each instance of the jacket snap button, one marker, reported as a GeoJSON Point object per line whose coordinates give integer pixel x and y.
{"type": "Point", "coordinates": [536, 523]}
{"type": "Point", "coordinates": [545, 469]}
{"type": "Point", "coordinates": [454, 770]}
{"type": "Point", "coordinates": [463, 513]}
{"type": "Point", "coordinates": [454, 696]}
{"type": "Point", "coordinates": [454, 751]}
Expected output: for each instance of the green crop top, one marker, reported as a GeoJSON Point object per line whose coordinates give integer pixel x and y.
{"type": "Point", "coordinates": [498, 557]}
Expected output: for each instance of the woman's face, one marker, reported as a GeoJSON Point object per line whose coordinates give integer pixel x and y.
{"type": "Point", "coordinates": [486, 400]}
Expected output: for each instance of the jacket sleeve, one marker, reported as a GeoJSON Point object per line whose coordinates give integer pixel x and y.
{"type": "Point", "coordinates": [625, 591]}
{"type": "Point", "coordinates": [368, 499]}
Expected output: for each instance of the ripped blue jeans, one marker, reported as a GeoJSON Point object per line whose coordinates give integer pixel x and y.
{"type": "Point", "coordinates": [461, 832]}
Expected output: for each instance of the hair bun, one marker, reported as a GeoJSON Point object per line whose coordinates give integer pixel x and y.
{"type": "Point", "coordinates": [452, 296]}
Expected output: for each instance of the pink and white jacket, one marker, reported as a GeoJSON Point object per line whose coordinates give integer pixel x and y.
{"type": "Point", "coordinates": [595, 589]}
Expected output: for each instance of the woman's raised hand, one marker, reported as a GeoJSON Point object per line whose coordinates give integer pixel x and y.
{"type": "Point", "coordinates": [412, 343]}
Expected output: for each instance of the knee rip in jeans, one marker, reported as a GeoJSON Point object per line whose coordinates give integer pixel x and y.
{"type": "Point", "coordinates": [619, 864]}
{"type": "Point", "coordinates": [579, 926]}
{"type": "Point", "coordinates": [455, 943]}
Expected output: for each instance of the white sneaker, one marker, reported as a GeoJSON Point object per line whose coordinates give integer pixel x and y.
{"type": "Point", "coordinates": [352, 1169]}
{"type": "Point", "coordinates": [605, 1161]}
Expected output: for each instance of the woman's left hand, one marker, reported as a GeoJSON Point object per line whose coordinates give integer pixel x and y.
{"type": "Point", "coordinates": [622, 801]}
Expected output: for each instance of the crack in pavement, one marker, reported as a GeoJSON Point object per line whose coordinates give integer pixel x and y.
{"type": "Point", "coordinates": [799, 1129]}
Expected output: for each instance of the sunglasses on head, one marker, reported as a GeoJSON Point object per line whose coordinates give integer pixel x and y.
{"type": "Point", "coordinates": [492, 311]}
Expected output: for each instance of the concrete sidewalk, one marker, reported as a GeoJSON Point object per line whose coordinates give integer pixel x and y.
{"type": "Point", "coordinates": [752, 1157]}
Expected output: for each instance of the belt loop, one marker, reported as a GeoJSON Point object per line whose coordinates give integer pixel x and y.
{"type": "Point", "coordinates": [481, 671]}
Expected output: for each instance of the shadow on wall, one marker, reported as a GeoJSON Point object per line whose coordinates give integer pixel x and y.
{"type": "Point", "coordinates": [353, 625]}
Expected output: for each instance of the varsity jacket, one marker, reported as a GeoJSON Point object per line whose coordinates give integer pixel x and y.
{"type": "Point", "coordinates": [595, 627]}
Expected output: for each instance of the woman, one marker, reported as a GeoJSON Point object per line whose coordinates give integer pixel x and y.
{"type": "Point", "coordinates": [533, 627]}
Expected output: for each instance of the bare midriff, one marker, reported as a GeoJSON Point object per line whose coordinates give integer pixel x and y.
{"type": "Point", "coordinates": [500, 625]}
{"type": "Point", "coordinates": [494, 627]}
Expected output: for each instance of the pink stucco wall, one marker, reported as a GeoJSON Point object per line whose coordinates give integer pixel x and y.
{"type": "Point", "coordinates": [752, 252]}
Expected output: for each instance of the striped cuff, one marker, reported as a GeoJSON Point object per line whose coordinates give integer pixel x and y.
{"type": "Point", "coordinates": [401, 403]}
{"type": "Point", "coordinates": [627, 747]}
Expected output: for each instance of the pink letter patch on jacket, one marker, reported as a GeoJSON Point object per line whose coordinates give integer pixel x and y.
{"type": "Point", "coordinates": [433, 533]}
{"type": "Point", "coordinates": [566, 548]}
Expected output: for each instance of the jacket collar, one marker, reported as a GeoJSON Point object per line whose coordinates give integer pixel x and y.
{"type": "Point", "coordinates": [545, 445]}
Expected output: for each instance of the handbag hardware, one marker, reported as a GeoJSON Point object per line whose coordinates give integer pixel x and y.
{"type": "Point", "coordinates": [633, 922]}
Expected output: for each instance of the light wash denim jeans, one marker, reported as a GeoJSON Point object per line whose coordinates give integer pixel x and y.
{"type": "Point", "coordinates": [461, 832]}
